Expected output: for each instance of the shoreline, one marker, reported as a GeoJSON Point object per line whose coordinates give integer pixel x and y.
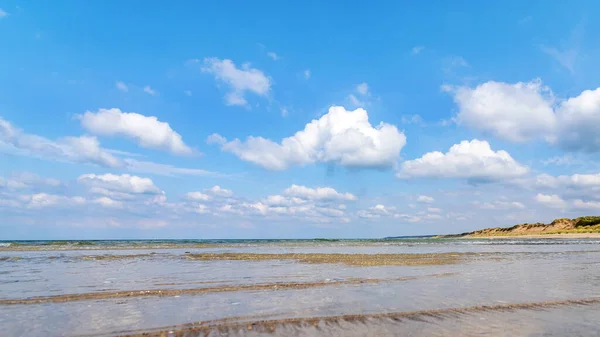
{"type": "Point", "coordinates": [536, 236]}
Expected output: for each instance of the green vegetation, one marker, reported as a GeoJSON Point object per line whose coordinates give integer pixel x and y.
{"type": "Point", "coordinates": [581, 225]}
{"type": "Point", "coordinates": [587, 221]}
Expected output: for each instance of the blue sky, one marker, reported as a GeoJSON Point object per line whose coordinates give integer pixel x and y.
{"type": "Point", "coordinates": [276, 120]}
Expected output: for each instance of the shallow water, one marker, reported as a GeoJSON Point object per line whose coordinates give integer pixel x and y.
{"type": "Point", "coordinates": [116, 288]}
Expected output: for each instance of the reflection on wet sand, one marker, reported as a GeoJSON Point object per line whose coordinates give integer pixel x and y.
{"type": "Point", "coordinates": [178, 292]}
{"type": "Point", "coordinates": [348, 259]}
{"type": "Point", "coordinates": [347, 324]}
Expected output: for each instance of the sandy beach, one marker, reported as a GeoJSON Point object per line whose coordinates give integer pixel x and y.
{"type": "Point", "coordinates": [539, 236]}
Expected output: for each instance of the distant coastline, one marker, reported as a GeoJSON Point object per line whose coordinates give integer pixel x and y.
{"type": "Point", "coordinates": [582, 227]}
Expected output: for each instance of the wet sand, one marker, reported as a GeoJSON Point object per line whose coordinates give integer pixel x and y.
{"type": "Point", "coordinates": [348, 259]}
{"type": "Point", "coordinates": [239, 326]}
{"type": "Point", "coordinates": [178, 292]}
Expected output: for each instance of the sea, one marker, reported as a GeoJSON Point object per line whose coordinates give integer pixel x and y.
{"type": "Point", "coordinates": [421, 286]}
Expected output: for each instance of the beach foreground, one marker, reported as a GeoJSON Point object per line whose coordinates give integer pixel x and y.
{"type": "Point", "coordinates": [417, 287]}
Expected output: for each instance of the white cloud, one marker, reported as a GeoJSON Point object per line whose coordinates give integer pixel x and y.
{"type": "Point", "coordinates": [239, 80]}
{"type": "Point", "coordinates": [219, 191]}
{"type": "Point", "coordinates": [307, 74]}
{"type": "Point", "coordinates": [577, 181]}
{"type": "Point", "coordinates": [149, 132]}
{"type": "Point", "coordinates": [149, 90]}
{"type": "Point", "coordinates": [516, 112]}
{"type": "Point", "coordinates": [198, 196]}
{"type": "Point", "coordinates": [362, 89]}
{"type": "Point", "coordinates": [376, 211]}
{"type": "Point", "coordinates": [122, 86]}
{"type": "Point", "coordinates": [82, 149]}
{"type": "Point", "coordinates": [473, 160]}
{"type": "Point", "coordinates": [216, 138]}
{"type": "Point", "coordinates": [417, 49]}
{"type": "Point", "coordinates": [499, 205]}
{"type": "Point", "coordinates": [590, 205]}
{"type": "Point", "coordinates": [44, 200]}
{"type": "Point", "coordinates": [425, 199]}
{"type": "Point", "coordinates": [108, 202]}
{"type": "Point", "coordinates": [553, 200]}
{"type": "Point", "coordinates": [120, 183]}
{"type": "Point", "coordinates": [3, 13]}
{"type": "Point", "coordinates": [340, 136]}
{"type": "Point", "coordinates": [525, 111]}
{"type": "Point", "coordinates": [566, 160]}
{"type": "Point", "coordinates": [319, 193]}
{"type": "Point", "coordinates": [28, 180]}
{"type": "Point", "coordinates": [577, 120]}
{"type": "Point", "coordinates": [209, 193]}
{"type": "Point", "coordinates": [202, 209]}
{"type": "Point", "coordinates": [433, 210]}
{"type": "Point", "coordinates": [313, 205]}
{"type": "Point", "coordinates": [134, 165]}
{"type": "Point", "coordinates": [273, 56]}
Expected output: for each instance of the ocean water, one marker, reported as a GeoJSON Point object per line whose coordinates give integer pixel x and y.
{"type": "Point", "coordinates": [453, 287]}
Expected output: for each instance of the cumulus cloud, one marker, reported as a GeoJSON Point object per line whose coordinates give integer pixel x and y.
{"type": "Point", "coordinates": [240, 81]}
{"type": "Point", "coordinates": [219, 191]}
{"type": "Point", "coordinates": [209, 193]}
{"type": "Point", "coordinates": [124, 183]}
{"type": "Point", "coordinates": [516, 112]}
{"type": "Point", "coordinates": [44, 200]}
{"type": "Point", "coordinates": [376, 211]}
{"type": "Point", "coordinates": [273, 56]}
{"type": "Point", "coordinates": [316, 205]}
{"type": "Point", "coordinates": [82, 149]}
{"type": "Point", "coordinates": [570, 187]}
{"type": "Point", "coordinates": [108, 202]}
{"type": "Point", "coordinates": [551, 200]}
{"type": "Point", "coordinates": [319, 193]}
{"type": "Point", "coordinates": [529, 110]}
{"type": "Point", "coordinates": [148, 132]}
{"type": "Point", "coordinates": [425, 199]}
{"type": "Point", "coordinates": [472, 160]}
{"type": "Point", "coordinates": [198, 196]}
{"type": "Point", "coordinates": [577, 181]}
{"type": "Point", "coordinates": [588, 205]}
{"type": "Point", "coordinates": [340, 136]}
